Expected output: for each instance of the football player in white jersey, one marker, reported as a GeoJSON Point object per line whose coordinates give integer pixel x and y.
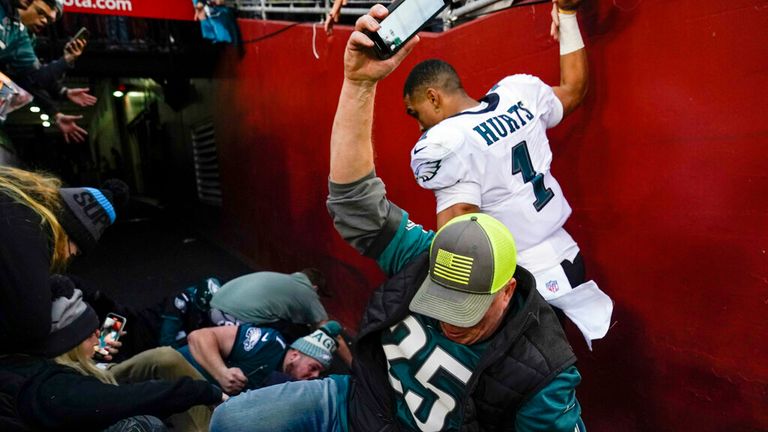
{"type": "Point", "coordinates": [493, 156]}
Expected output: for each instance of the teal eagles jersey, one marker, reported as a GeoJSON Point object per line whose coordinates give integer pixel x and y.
{"type": "Point", "coordinates": [428, 372]}
{"type": "Point", "coordinates": [257, 351]}
{"type": "Point", "coordinates": [17, 53]}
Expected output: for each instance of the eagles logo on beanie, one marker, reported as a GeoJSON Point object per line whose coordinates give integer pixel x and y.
{"type": "Point", "coordinates": [320, 344]}
{"type": "Point", "coordinates": [87, 212]}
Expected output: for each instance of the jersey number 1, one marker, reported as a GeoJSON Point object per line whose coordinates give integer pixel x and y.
{"type": "Point", "coordinates": [521, 163]}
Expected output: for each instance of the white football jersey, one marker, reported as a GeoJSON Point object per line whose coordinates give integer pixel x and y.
{"type": "Point", "coordinates": [497, 156]}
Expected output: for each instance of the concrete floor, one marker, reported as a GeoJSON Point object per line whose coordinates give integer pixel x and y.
{"type": "Point", "coordinates": [149, 254]}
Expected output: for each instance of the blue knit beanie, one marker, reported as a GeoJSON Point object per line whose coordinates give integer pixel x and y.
{"type": "Point", "coordinates": [87, 212]}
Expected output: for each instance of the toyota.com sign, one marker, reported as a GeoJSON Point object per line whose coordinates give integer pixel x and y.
{"type": "Point", "coordinates": [165, 9]}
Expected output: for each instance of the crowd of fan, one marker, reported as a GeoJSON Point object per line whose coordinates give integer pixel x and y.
{"type": "Point", "coordinates": [24, 76]}
{"type": "Point", "coordinates": [57, 371]}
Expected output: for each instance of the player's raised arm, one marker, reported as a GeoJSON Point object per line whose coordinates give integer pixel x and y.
{"type": "Point", "coordinates": [351, 146]}
{"type": "Point", "coordinates": [574, 67]}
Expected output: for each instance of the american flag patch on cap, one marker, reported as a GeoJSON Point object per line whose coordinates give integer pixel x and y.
{"type": "Point", "coordinates": [455, 268]}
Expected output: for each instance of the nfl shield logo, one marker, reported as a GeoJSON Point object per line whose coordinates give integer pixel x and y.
{"type": "Point", "coordinates": [552, 286]}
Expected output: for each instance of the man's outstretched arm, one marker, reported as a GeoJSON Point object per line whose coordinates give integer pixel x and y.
{"type": "Point", "coordinates": [357, 201]}
{"type": "Point", "coordinates": [351, 145]}
{"type": "Point", "coordinates": [574, 67]}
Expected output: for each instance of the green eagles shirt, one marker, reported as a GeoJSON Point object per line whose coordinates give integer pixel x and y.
{"type": "Point", "coordinates": [17, 54]}
{"type": "Point", "coordinates": [257, 352]}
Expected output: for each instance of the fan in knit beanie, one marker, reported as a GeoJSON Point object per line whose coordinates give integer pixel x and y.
{"type": "Point", "coordinates": [87, 212]}
{"type": "Point", "coordinates": [320, 344]}
{"type": "Point", "coordinates": [72, 319]}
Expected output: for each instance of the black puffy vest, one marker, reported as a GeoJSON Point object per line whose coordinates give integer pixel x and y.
{"type": "Point", "coordinates": [523, 356]}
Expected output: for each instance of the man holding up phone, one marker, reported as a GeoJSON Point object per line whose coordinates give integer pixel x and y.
{"type": "Point", "coordinates": [493, 156]}
{"type": "Point", "coordinates": [433, 353]}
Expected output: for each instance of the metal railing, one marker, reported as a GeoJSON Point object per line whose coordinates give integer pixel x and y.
{"type": "Point", "coordinates": [206, 164]}
{"type": "Point", "coordinates": [302, 10]}
{"type": "Point", "coordinates": [266, 8]}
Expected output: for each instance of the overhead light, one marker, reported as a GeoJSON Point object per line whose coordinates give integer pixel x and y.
{"type": "Point", "coordinates": [118, 94]}
{"type": "Point", "coordinates": [47, 124]}
{"type": "Point", "coordinates": [44, 117]}
{"type": "Point", "coordinates": [135, 94]}
{"type": "Point", "coordinates": [34, 109]}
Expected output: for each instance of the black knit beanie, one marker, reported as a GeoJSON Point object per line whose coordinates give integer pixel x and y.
{"type": "Point", "coordinates": [87, 212]}
{"type": "Point", "coordinates": [72, 319]}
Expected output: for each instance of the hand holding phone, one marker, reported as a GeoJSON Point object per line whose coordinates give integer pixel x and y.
{"type": "Point", "coordinates": [361, 63]}
{"type": "Point", "coordinates": [82, 34]}
{"type": "Point", "coordinates": [405, 19]}
{"type": "Point", "coordinates": [74, 48]}
{"type": "Point", "coordinates": [110, 331]}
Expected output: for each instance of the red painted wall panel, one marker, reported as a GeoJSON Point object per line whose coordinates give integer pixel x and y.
{"type": "Point", "coordinates": [664, 165]}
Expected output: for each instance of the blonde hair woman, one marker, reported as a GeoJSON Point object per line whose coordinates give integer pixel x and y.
{"type": "Point", "coordinates": [42, 225]}
{"type": "Point", "coordinates": [80, 358]}
{"type": "Point", "coordinates": [40, 193]}
{"type": "Point", "coordinates": [71, 393]}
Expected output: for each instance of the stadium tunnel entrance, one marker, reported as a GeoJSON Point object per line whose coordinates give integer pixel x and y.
{"type": "Point", "coordinates": [151, 127]}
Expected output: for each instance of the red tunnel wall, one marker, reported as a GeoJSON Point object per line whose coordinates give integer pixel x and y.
{"type": "Point", "coordinates": [664, 166]}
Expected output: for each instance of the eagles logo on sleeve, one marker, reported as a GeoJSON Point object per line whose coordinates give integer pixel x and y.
{"type": "Point", "coordinates": [426, 171]}
{"type": "Point", "coordinates": [435, 150]}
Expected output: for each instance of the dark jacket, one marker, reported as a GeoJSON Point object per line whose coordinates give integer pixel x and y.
{"type": "Point", "coordinates": [25, 295]}
{"type": "Point", "coordinates": [45, 84]}
{"type": "Point", "coordinates": [523, 356]}
{"type": "Point", "coordinates": [39, 394]}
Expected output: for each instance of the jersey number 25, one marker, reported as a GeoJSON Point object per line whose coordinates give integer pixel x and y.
{"type": "Point", "coordinates": [437, 362]}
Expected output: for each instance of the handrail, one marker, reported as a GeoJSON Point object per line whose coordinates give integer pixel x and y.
{"type": "Point", "coordinates": [359, 7]}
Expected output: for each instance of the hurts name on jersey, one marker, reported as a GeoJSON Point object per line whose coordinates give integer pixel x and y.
{"type": "Point", "coordinates": [498, 127]}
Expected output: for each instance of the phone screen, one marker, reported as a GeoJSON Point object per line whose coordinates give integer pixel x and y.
{"type": "Point", "coordinates": [82, 34]}
{"type": "Point", "coordinates": [406, 20]}
{"type": "Point", "coordinates": [109, 331]}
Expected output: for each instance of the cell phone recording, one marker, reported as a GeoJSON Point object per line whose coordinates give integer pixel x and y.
{"type": "Point", "coordinates": [109, 331]}
{"type": "Point", "coordinates": [405, 19]}
{"type": "Point", "coordinates": [82, 34]}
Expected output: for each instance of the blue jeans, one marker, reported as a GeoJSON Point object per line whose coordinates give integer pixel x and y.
{"type": "Point", "coordinates": [299, 406]}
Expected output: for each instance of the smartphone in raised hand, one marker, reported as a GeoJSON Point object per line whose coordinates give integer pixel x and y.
{"type": "Point", "coordinates": [82, 34]}
{"type": "Point", "coordinates": [405, 19]}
